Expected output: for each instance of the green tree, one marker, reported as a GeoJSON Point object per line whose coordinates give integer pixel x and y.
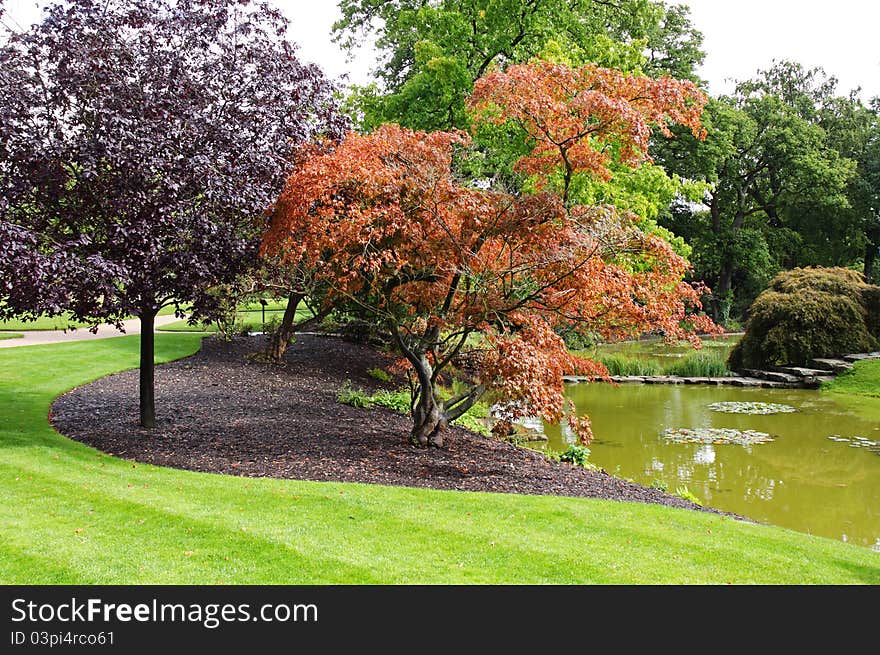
{"type": "Point", "coordinates": [851, 128]}
{"type": "Point", "coordinates": [854, 131]}
{"type": "Point", "coordinates": [433, 52]}
{"type": "Point", "coordinates": [870, 168]}
{"type": "Point", "coordinates": [773, 177]}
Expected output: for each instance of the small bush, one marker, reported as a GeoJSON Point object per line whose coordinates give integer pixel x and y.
{"type": "Point", "coordinates": [348, 395]}
{"type": "Point", "coordinates": [687, 494]}
{"type": "Point", "coordinates": [473, 423]}
{"type": "Point", "coordinates": [380, 375]}
{"type": "Point", "coordinates": [577, 455]}
{"type": "Point", "coordinates": [807, 313]}
{"type": "Point", "coordinates": [660, 485]}
{"type": "Point", "coordinates": [399, 401]}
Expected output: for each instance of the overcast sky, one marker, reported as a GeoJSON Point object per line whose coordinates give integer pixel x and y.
{"type": "Point", "coordinates": [741, 36]}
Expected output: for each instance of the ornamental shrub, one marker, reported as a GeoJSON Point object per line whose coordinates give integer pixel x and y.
{"type": "Point", "coordinates": [807, 313]}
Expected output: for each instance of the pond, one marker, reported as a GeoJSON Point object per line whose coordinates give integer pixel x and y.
{"type": "Point", "coordinates": [655, 349]}
{"type": "Point", "coordinates": [817, 472]}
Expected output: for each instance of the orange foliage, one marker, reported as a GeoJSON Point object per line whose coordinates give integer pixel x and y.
{"type": "Point", "coordinates": [576, 117]}
{"type": "Point", "coordinates": [382, 220]}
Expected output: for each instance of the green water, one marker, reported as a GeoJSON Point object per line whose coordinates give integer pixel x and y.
{"type": "Point", "coordinates": [662, 352]}
{"type": "Point", "coordinates": [802, 480]}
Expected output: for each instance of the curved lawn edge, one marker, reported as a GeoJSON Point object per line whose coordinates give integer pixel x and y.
{"type": "Point", "coordinates": [77, 516]}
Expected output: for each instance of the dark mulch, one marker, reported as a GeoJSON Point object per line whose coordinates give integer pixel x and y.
{"type": "Point", "coordinates": [222, 412]}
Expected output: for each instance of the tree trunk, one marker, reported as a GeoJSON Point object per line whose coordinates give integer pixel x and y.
{"type": "Point", "coordinates": [721, 294]}
{"type": "Point", "coordinates": [871, 256]}
{"type": "Point", "coordinates": [147, 387]}
{"type": "Point", "coordinates": [282, 336]}
{"type": "Point", "coordinates": [429, 420]}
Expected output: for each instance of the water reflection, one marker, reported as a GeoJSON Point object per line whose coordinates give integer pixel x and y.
{"type": "Point", "coordinates": [705, 454]}
{"type": "Point", "coordinates": [802, 480]}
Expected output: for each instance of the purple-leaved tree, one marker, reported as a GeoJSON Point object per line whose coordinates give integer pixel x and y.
{"type": "Point", "coordinates": [141, 142]}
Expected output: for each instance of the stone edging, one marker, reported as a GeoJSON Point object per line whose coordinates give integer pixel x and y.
{"type": "Point", "coordinates": [780, 377]}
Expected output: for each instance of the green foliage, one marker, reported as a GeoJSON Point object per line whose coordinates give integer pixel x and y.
{"type": "Point", "coordinates": [399, 400]}
{"type": "Point", "coordinates": [380, 375]}
{"type": "Point", "coordinates": [687, 494]}
{"type": "Point", "coordinates": [807, 313]}
{"type": "Point", "coordinates": [775, 178]}
{"type": "Point", "coordinates": [705, 364]}
{"type": "Point", "coordinates": [578, 455]}
{"type": "Point", "coordinates": [433, 52]}
{"type": "Point", "coordinates": [618, 364]}
{"type": "Point", "coordinates": [659, 484]}
{"type": "Point", "coordinates": [348, 395]}
{"type": "Point", "coordinates": [576, 339]}
{"type": "Point", "coordinates": [474, 423]}
{"type": "Point", "coordinates": [627, 57]}
{"type": "Point", "coordinates": [694, 364]}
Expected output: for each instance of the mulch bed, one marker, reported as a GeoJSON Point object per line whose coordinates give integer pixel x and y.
{"type": "Point", "coordinates": [220, 412]}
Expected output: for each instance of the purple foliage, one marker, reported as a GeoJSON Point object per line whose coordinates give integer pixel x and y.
{"type": "Point", "coordinates": [140, 143]}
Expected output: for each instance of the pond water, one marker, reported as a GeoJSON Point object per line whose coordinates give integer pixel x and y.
{"type": "Point", "coordinates": [820, 474]}
{"type": "Point", "coordinates": [655, 349]}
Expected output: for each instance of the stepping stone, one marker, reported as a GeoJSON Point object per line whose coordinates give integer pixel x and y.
{"type": "Point", "coordinates": [744, 382]}
{"type": "Point", "coordinates": [767, 384]}
{"type": "Point", "coordinates": [773, 376]}
{"type": "Point", "coordinates": [816, 382]}
{"type": "Point", "coordinates": [859, 357]}
{"type": "Point", "coordinates": [800, 371]}
{"type": "Point", "coordinates": [832, 364]}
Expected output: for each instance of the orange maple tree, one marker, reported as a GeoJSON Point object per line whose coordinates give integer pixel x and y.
{"type": "Point", "coordinates": [579, 119]}
{"type": "Point", "coordinates": [383, 222]}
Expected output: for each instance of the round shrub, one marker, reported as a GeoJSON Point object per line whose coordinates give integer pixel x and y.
{"type": "Point", "coordinates": [807, 313]}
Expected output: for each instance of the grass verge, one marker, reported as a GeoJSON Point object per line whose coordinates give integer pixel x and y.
{"type": "Point", "coordinates": [59, 322]}
{"type": "Point", "coordinates": [10, 335]}
{"type": "Point", "coordinates": [252, 320]}
{"type": "Point", "coordinates": [73, 515]}
{"type": "Point", "coordinates": [862, 380]}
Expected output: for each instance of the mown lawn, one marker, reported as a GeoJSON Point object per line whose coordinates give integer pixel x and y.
{"type": "Point", "coordinates": [10, 335]}
{"type": "Point", "coordinates": [862, 380]}
{"type": "Point", "coordinates": [73, 515]}
{"type": "Point", "coordinates": [253, 320]}
{"type": "Point", "coordinates": [59, 322]}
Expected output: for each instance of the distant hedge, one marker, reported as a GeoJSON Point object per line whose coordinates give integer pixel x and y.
{"type": "Point", "coordinates": [807, 313]}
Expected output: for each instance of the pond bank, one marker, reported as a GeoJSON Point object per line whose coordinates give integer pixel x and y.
{"type": "Point", "coordinates": [779, 377]}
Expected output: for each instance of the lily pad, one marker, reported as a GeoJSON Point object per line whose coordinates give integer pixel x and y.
{"type": "Point", "coordinates": [751, 408]}
{"type": "Point", "coordinates": [716, 436]}
{"type": "Point", "coordinates": [858, 442]}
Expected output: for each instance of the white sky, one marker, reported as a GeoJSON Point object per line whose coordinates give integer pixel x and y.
{"type": "Point", "coordinates": [741, 36]}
